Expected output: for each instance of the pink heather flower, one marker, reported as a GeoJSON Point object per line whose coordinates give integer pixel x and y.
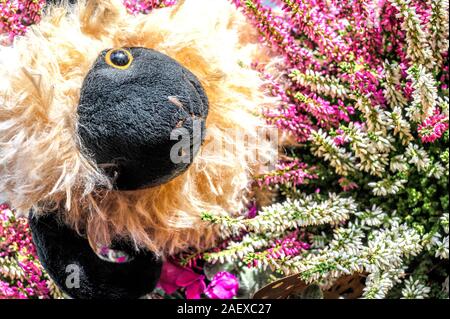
{"type": "Point", "coordinates": [310, 19]}
{"type": "Point", "coordinates": [346, 184]}
{"type": "Point", "coordinates": [318, 35]}
{"type": "Point", "coordinates": [294, 172]}
{"type": "Point", "coordinates": [174, 277]}
{"type": "Point", "coordinates": [433, 127]}
{"type": "Point", "coordinates": [281, 248]}
{"type": "Point", "coordinates": [445, 74]}
{"type": "Point", "coordinates": [276, 31]}
{"type": "Point", "coordinates": [252, 211]}
{"type": "Point", "coordinates": [16, 16]}
{"type": "Point", "coordinates": [340, 138]}
{"type": "Point", "coordinates": [18, 255]}
{"type": "Point", "coordinates": [291, 120]}
{"type": "Point", "coordinates": [223, 286]}
{"type": "Point", "coordinates": [145, 6]}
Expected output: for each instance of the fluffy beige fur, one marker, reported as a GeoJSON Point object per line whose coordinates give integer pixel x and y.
{"type": "Point", "coordinates": [41, 165]}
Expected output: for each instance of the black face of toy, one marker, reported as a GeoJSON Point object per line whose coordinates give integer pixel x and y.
{"type": "Point", "coordinates": [132, 101]}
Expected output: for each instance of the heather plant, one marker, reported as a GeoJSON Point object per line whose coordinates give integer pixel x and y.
{"type": "Point", "coordinates": [362, 186]}
{"type": "Point", "coordinates": [21, 275]}
{"type": "Point", "coordinates": [145, 6]}
{"type": "Point", "coordinates": [16, 16]}
{"type": "Point", "coordinates": [363, 91]}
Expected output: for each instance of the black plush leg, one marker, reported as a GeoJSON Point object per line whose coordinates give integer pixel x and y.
{"type": "Point", "coordinates": [80, 273]}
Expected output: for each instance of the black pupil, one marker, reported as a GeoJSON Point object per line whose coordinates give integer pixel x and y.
{"type": "Point", "coordinates": [119, 58]}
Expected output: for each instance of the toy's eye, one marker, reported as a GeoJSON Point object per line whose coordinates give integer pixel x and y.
{"type": "Point", "coordinates": [119, 58]}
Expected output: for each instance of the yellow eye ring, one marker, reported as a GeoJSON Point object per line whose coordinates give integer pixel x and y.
{"type": "Point", "coordinates": [119, 58]}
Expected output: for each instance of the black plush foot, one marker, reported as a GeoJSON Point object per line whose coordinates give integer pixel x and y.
{"type": "Point", "coordinates": [81, 273]}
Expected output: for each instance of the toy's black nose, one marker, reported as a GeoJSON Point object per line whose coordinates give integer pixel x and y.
{"type": "Point", "coordinates": [141, 116]}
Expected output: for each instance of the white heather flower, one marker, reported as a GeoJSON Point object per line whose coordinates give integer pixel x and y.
{"type": "Point", "coordinates": [438, 25]}
{"type": "Point", "coordinates": [436, 170]}
{"type": "Point", "coordinates": [417, 48]}
{"type": "Point", "coordinates": [439, 245]}
{"type": "Point", "coordinates": [437, 241]}
{"type": "Point", "coordinates": [382, 257]}
{"type": "Point", "coordinates": [294, 213]}
{"type": "Point", "coordinates": [387, 247]}
{"type": "Point", "coordinates": [372, 217]}
{"type": "Point", "coordinates": [444, 104]}
{"type": "Point", "coordinates": [371, 148]}
{"type": "Point", "coordinates": [444, 222]}
{"type": "Point", "coordinates": [340, 238]}
{"type": "Point", "coordinates": [398, 163]}
{"type": "Point", "coordinates": [392, 77]}
{"type": "Point", "coordinates": [399, 125]}
{"type": "Point", "coordinates": [382, 143]}
{"type": "Point", "coordinates": [376, 119]}
{"type": "Point", "coordinates": [417, 156]}
{"type": "Point", "coordinates": [324, 146]}
{"type": "Point", "coordinates": [387, 186]}
{"type": "Point", "coordinates": [379, 283]}
{"type": "Point", "coordinates": [442, 248]}
{"type": "Point", "coordinates": [414, 289]}
{"type": "Point", "coordinates": [319, 83]}
{"type": "Point", "coordinates": [424, 95]}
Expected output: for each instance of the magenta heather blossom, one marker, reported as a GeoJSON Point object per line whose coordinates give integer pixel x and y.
{"type": "Point", "coordinates": [145, 6]}
{"type": "Point", "coordinates": [252, 211]}
{"type": "Point", "coordinates": [223, 286]}
{"type": "Point", "coordinates": [295, 173]}
{"type": "Point", "coordinates": [318, 36]}
{"type": "Point", "coordinates": [275, 30]}
{"type": "Point", "coordinates": [289, 119]}
{"type": "Point", "coordinates": [433, 127]}
{"type": "Point", "coordinates": [346, 184]}
{"type": "Point", "coordinates": [340, 138]}
{"type": "Point", "coordinates": [310, 19]}
{"type": "Point", "coordinates": [16, 16]}
{"type": "Point", "coordinates": [281, 248]}
{"type": "Point", "coordinates": [21, 275]}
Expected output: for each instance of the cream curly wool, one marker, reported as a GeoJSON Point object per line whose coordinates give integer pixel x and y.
{"type": "Point", "coordinates": [41, 164]}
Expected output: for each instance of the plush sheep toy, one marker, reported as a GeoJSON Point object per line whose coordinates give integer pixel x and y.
{"type": "Point", "coordinates": [95, 107]}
